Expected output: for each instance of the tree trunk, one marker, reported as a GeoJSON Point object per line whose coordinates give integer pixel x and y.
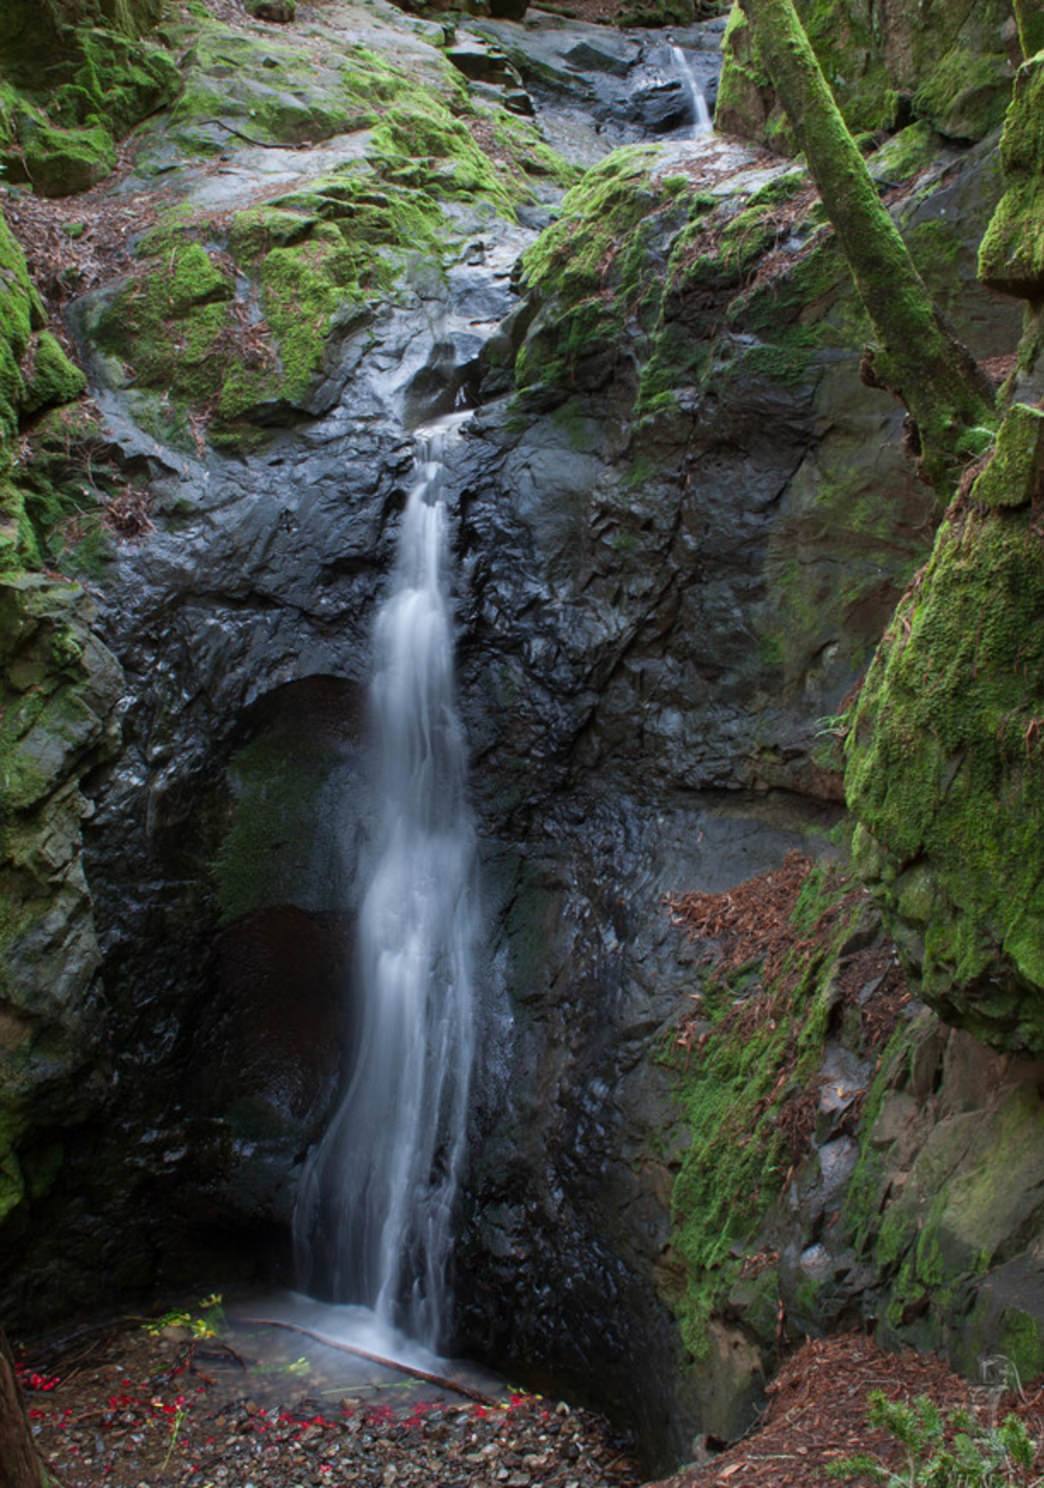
{"type": "Point", "coordinates": [20, 1463]}
{"type": "Point", "coordinates": [920, 359]}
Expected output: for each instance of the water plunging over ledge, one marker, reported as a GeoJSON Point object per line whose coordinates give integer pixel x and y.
{"type": "Point", "coordinates": [701, 120]}
{"type": "Point", "coordinates": [372, 1223]}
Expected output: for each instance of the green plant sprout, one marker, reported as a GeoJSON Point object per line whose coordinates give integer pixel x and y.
{"type": "Point", "coordinates": [976, 1457]}
{"type": "Point", "coordinates": [204, 1324]}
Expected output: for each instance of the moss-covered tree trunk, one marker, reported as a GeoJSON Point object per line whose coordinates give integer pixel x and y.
{"type": "Point", "coordinates": [919, 358]}
{"type": "Point", "coordinates": [20, 1464]}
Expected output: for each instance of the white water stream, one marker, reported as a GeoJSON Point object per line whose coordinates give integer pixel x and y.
{"type": "Point", "coordinates": [701, 119]}
{"type": "Point", "coordinates": [372, 1223]}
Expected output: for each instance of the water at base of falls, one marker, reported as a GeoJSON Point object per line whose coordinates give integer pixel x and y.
{"type": "Point", "coordinates": [373, 1219]}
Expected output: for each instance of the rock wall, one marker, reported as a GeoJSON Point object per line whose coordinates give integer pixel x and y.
{"type": "Point", "coordinates": [59, 695]}
{"type": "Point", "coordinates": [944, 771]}
{"type": "Point", "coordinates": [682, 525]}
{"type": "Point", "coordinates": [943, 63]}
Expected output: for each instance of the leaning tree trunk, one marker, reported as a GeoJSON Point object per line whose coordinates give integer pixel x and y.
{"type": "Point", "coordinates": [20, 1464]}
{"type": "Point", "coordinates": [919, 359]}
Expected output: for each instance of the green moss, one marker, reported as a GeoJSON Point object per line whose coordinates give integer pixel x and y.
{"type": "Point", "coordinates": [118, 80]}
{"type": "Point", "coordinates": [946, 62]}
{"type": "Point", "coordinates": [1030, 20]}
{"type": "Point", "coordinates": [270, 91]}
{"type": "Point", "coordinates": [169, 328]}
{"type": "Point", "coordinates": [594, 263]}
{"type": "Point", "coordinates": [965, 94]}
{"type": "Point", "coordinates": [1011, 255]}
{"type": "Point", "coordinates": [732, 1093]}
{"type": "Point", "coordinates": [61, 122]}
{"type": "Point", "coordinates": [523, 145]}
{"type": "Point", "coordinates": [861, 1213]}
{"type": "Point", "coordinates": [59, 162]}
{"type": "Point", "coordinates": [967, 1193]}
{"type": "Point", "coordinates": [1015, 474]}
{"type": "Point", "coordinates": [423, 147]}
{"type": "Point", "coordinates": [656, 13]}
{"type": "Point", "coordinates": [318, 255]}
{"type": "Point", "coordinates": [66, 484]}
{"type": "Point", "coordinates": [851, 59]}
{"type": "Point", "coordinates": [19, 311]}
{"type": "Point", "coordinates": [54, 379]}
{"type": "Point", "coordinates": [905, 154]}
{"type": "Point", "coordinates": [1021, 1343]}
{"type": "Point", "coordinates": [744, 90]}
{"type": "Point", "coordinates": [944, 771]}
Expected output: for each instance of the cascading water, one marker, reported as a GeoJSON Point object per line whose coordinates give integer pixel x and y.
{"type": "Point", "coordinates": [701, 119]}
{"type": "Point", "coordinates": [372, 1223]}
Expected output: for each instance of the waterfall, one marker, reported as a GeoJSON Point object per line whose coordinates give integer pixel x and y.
{"type": "Point", "coordinates": [701, 119]}
{"type": "Point", "coordinates": [372, 1224]}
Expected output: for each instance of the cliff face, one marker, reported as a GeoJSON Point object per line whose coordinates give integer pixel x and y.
{"type": "Point", "coordinates": [59, 691]}
{"type": "Point", "coordinates": [944, 63]}
{"type": "Point", "coordinates": [944, 764]}
{"type": "Point", "coordinates": [683, 525]}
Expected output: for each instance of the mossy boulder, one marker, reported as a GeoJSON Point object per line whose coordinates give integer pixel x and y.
{"type": "Point", "coordinates": [851, 59]}
{"type": "Point", "coordinates": [50, 377]}
{"type": "Point", "coordinates": [943, 62]}
{"type": "Point", "coordinates": [30, 29]}
{"type": "Point", "coordinates": [1012, 254]}
{"type": "Point", "coordinates": [946, 1202]}
{"type": "Point", "coordinates": [118, 81]}
{"type": "Point", "coordinates": [35, 374]}
{"type": "Point", "coordinates": [21, 312]}
{"type": "Point", "coordinates": [945, 763]}
{"type": "Point", "coordinates": [272, 10]}
{"type": "Point", "coordinates": [1015, 473]}
{"type": "Point", "coordinates": [166, 324]}
{"type": "Point", "coordinates": [59, 125]}
{"type": "Point", "coordinates": [59, 691]}
{"type": "Point", "coordinates": [60, 162]}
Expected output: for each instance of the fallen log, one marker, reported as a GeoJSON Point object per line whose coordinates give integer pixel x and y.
{"type": "Point", "coordinates": [441, 1380]}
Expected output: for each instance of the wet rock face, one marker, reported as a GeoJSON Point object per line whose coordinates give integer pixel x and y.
{"type": "Point", "coordinates": [567, 1216]}
{"type": "Point", "coordinates": [595, 88]}
{"type": "Point", "coordinates": [655, 601]}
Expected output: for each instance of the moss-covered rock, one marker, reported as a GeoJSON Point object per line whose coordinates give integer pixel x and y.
{"type": "Point", "coordinates": [59, 126]}
{"type": "Point", "coordinates": [851, 59]}
{"type": "Point", "coordinates": [59, 690]}
{"type": "Point", "coordinates": [35, 374]}
{"type": "Point", "coordinates": [59, 162]}
{"type": "Point", "coordinates": [168, 329]}
{"type": "Point", "coordinates": [1015, 473]}
{"type": "Point", "coordinates": [1030, 19]}
{"type": "Point", "coordinates": [20, 313]}
{"type": "Point", "coordinates": [273, 10]}
{"type": "Point", "coordinates": [947, 1199]}
{"type": "Point", "coordinates": [50, 377]}
{"type": "Point", "coordinates": [943, 62]}
{"type": "Point", "coordinates": [944, 773]}
{"type": "Point", "coordinates": [118, 81]}
{"type": "Point", "coordinates": [1012, 254]}
{"type": "Point", "coordinates": [181, 334]}
{"type": "Point", "coordinates": [657, 13]}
